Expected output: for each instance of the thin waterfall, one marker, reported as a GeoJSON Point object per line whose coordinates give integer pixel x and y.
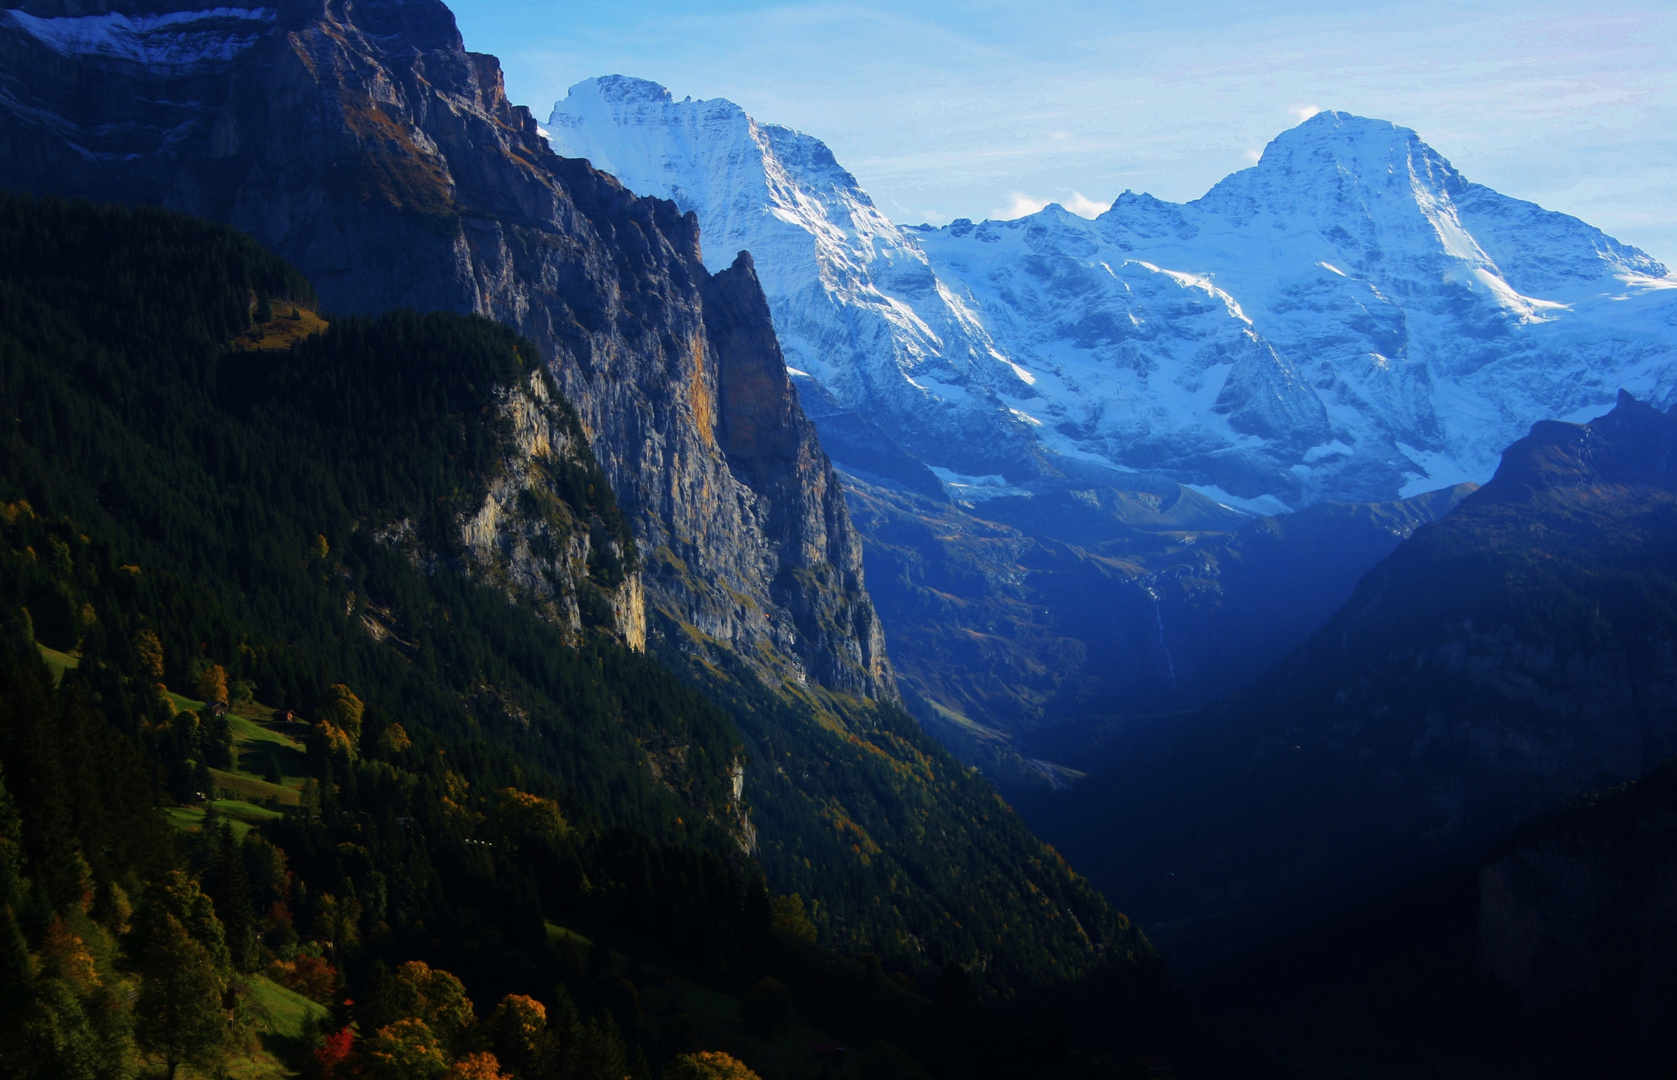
{"type": "Point", "coordinates": [1159, 621]}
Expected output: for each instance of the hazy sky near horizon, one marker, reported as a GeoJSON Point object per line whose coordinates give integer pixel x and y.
{"type": "Point", "coordinates": [991, 108]}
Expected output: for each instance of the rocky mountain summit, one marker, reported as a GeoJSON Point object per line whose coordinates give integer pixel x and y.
{"type": "Point", "coordinates": [1349, 319]}
{"type": "Point", "coordinates": [359, 140]}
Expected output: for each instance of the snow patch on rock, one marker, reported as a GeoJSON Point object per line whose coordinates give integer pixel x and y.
{"type": "Point", "coordinates": [172, 40]}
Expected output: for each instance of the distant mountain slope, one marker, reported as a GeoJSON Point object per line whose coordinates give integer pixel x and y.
{"type": "Point", "coordinates": [1350, 319]}
{"type": "Point", "coordinates": [1048, 627]}
{"type": "Point", "coordinates": [1576, 909]}
{"type": "Point", "coordinates": [1519, 651]}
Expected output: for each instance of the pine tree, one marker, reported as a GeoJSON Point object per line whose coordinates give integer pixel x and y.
{"type": "Point", "coordinates": [231, 889]}
{"type": "Point", "coordinates": [179, 1015]}
{"type": "Point", "coordinates": [598, 1053]}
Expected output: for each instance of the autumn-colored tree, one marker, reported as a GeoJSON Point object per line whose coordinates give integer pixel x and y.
{"type": "Point", "coordinates": [437, 998]}
{"type": "Point", "coordinates": [148, 650]}
{"type": "Point", "coordinates": [405, 1050]}
{"type": "Point", "coordinates": [708, 1065]}
{"type": "Point", "coordinates": [309, 975]}
{"type": "Point", "coordinates": [394, 740]}
{"type": "Point", "coordinates": [65, 956]}
{"type": "Point", "coordinates": [343, 711]}
{"type": "Point", "coordinates": [787, 912]}
{"type": "Point", "coordinates": [212, 684]}
{"type": "Point", "coordinates": [332, 1056]}
{"type": "Point", "coordinates": [67, 1020]}
{"type": "Point", "coordinates": [332, 740]}
{"type": "Point", "coordinates": [521, 816]}
{"type": "Point", "coordinates": [522, 1037]}
{"type": "Point", "coordinates": [477, 1067]}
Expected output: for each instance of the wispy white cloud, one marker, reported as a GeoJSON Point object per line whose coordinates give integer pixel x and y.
{"type": "Point", "coordinates": [1301, 113]}
{"type": "Point", "coordinates": [1083, 206]}
{"type": "Point", "coordinates": [1020, 205]}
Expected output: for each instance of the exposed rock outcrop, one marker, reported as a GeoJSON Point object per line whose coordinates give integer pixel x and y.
{"type": "Point", "coordinates": [532, 542]}
{"type": "Point", "coordinates": [773, 448]}
{"type": "Point", "coordinates": [360, 141]}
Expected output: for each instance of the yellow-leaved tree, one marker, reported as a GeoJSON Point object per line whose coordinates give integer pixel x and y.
{"type": "Point", "coordinates": [212, 684]}
{"type": "Point", "coordinates": [708, 1065]}
{"type": "Point", "coordinates": [343, 711]}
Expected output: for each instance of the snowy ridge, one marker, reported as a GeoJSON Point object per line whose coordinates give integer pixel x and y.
{"type": "Point", "coordinates": [176, 39]}
{"type": "Point", "coordinates": [855, 303]}
{"type": "Point", "coordinates": [1348, 319]}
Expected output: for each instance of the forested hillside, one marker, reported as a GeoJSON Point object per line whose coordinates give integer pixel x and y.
{"type": "Point", "coordinates": [276, 730]}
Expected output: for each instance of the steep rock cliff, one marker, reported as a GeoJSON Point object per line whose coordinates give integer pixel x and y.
{"type": "Point", "coordinates": [360, 141]}
{"type": "Point", "coordinates": [772, 447]}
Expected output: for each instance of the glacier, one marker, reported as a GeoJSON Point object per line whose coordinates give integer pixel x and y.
{"type": "Point", "coordinates": [1348, 319]}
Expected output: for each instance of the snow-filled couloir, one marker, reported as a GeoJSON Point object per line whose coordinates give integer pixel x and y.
{"type": "Point", "coordinates": [1347, 319]}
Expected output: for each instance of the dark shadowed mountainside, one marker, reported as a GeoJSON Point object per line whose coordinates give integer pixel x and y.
{"type": "Point", "coordinates": [1036, 635]}
{"type": "Point", "coordinates": [1519, 651]}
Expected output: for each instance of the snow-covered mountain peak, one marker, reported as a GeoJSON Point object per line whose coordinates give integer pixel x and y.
{"type": "Point", "coordinates": [1346, 141]}
{"type": "Point", "coordinates": [621, 90]}
{"type": "Point", "coordinates": [855, 303]}
{"type": "Point", "coordinates": [1349, 318]}
{"type": "Point", "coordinates": [1371, 189]}
{"type": "Point", "coordinates": [1364, 186]}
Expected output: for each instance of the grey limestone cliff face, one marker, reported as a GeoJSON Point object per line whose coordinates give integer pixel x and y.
{"type": "Point", "coordinates": [359, 140]}
{"type": "Point", "coordinates": [534, 546]}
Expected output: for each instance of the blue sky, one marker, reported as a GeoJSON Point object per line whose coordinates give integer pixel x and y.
{"type": "Point", "coordinates": [985, 109]}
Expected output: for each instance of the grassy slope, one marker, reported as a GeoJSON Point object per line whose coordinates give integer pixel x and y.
{"type": "Point", "coordinates": [254, 742]}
